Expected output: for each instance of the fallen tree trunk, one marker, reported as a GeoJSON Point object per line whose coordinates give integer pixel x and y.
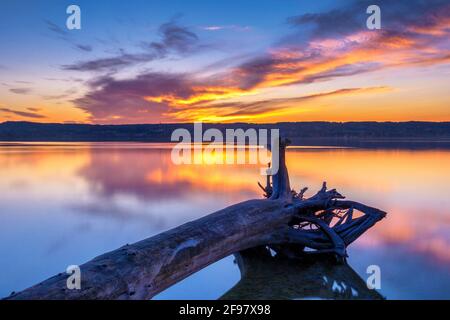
{"type": "Point", "coordinates": [285, 221]}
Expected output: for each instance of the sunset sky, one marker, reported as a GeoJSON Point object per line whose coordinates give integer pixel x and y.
{"type": "Point", "coordinates": [224, 61]}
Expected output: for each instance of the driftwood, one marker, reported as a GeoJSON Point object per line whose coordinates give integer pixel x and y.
{"type": "Point", "coordinates": [268, 276]}
{"type": "Point", "coordinates": [286, 222]}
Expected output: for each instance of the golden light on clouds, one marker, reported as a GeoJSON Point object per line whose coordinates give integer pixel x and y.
{"type": "Point", "coordinates": [201, 94]}
{"type": "Point", "coordinates": [342, 76]}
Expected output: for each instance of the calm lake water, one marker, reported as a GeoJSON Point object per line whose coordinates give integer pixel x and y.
{"type": "Point", "coordinates": [63, 204]}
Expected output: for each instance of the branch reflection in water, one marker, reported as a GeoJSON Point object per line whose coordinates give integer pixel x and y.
{"type": "Point", "coordinates": [264, 276]}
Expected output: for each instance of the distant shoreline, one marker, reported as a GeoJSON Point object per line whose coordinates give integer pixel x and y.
{"type": "Point", "coordinates": [352, 134]}
{"type": "Point", "coordinates": [307, 144]}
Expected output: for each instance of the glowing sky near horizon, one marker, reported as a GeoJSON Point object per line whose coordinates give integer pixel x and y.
{"type": "Point", "coordinates": [224, 61]}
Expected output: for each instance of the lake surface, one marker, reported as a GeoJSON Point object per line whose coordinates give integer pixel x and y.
{"type": "Point", "coordinates": [65, 203]}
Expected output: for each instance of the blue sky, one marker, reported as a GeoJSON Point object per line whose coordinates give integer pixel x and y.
{"type": "Point", "coordinates": [49, 73]}
{"type": "Point", "coordinates": [24, 23]}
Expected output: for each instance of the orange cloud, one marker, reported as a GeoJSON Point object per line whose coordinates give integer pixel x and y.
{"type": "Point", "coordinates": [240, 93]}
{"type": "Point", "coordinates": [200, 95]}
{"type": "Point", "coordinates": [259, 111]}
{"type": "Point", "coordinates": [323, 59]}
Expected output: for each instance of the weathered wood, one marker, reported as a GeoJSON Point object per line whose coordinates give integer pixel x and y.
{"type": "Point", "coordinates": [285, 219]}
{"type": "Point", "coordinates": [281, 187]}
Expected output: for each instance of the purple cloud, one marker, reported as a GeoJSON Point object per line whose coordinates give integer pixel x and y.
{"type": "Point", "coordinates": [325, 56]}
{"type": "Point", "coordinates": [119, 101]}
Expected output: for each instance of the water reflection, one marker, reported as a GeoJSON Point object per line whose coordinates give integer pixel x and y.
{"type": "Point", "coordinates": [264, 276]}
{"type": "Point", "coordinates": [64, 204]}
{"type": "Point", "coordinates": [152, 175]}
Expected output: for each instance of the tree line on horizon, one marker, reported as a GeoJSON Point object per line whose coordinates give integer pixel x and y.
{"type": "Point", "coordinates": [296, 131]}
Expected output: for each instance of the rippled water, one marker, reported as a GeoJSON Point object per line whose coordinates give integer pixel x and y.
{"type": "Point", "coordinates": [63, 204]}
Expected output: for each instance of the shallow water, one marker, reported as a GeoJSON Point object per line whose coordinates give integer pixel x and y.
{"type": "Point", "coordinates": [65, 203]}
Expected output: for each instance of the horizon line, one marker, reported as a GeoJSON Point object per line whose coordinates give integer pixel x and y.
{"type": "Point", "coordinates": [219, 123]}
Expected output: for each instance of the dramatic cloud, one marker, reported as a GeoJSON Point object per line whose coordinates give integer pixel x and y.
{"type": "Point", "coordinates": [160, 97]}
{"type": "Point", "coordinates": [118, 101]}
{"type": "Point", "coordinates": [174, 39]}
{"type": "Point", "coordinates": [338, 47]}
{"type": "Point", "coordinates": [25, 114]}
{"type": "Point", "coordinates": [342, 48]}
{"type": "Point", "coordinates": [236, 111]}
{"type": "Point", "coordinates": [351, 17]}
